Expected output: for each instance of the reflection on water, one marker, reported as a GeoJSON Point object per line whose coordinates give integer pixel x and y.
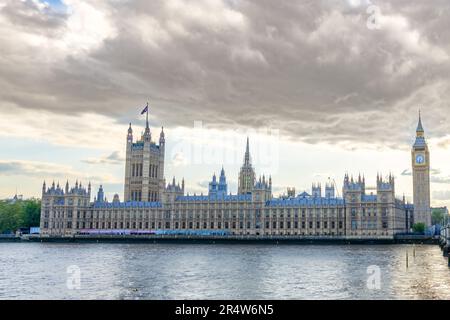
{"type": "Point", "coordinates": [167, 271]}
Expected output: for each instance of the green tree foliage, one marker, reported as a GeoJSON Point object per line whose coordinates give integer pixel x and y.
{"type": "Point", "coordinates": [32, 213]}
{"type": "Point", "coordinates": [437, 215]}
{"type": "Point", "coordinates": [19, 214]}
{"type": "Point", "coordinates": [419, 227]}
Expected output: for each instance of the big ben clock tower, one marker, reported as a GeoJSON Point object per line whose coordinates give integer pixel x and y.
{"type": "Point", "coordinates": [421, 177]}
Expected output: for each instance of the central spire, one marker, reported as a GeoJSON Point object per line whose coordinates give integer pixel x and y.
{"type": "Point", "coordinates": [247, 174]}
{"type": "Point", "coordinates": [247, 159]}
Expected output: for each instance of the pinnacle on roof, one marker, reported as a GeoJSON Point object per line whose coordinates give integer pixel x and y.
{"type": "Point", "coordinates": [419, 125]}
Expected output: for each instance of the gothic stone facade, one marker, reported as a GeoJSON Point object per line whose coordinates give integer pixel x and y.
{"type": "Point", "coordinates": [144, 167]}
{"type": "Point", "coordinates": [151, 206]}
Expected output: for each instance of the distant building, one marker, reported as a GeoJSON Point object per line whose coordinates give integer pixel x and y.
{"type": "Point", "coordinates": [151, 206]}
{"type": "Point", "coordinates": [15, 198]}
{"type": "Point", "coordinates": [290, 192]}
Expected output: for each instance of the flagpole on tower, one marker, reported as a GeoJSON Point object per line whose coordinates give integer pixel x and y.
{"type": "Point", "coordinates": [147, 129]}
{"type": "Point", "coordinates": [147, 116]}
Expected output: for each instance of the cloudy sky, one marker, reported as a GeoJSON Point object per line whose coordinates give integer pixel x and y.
{"type": "Point", "coordinates": [321, 87]}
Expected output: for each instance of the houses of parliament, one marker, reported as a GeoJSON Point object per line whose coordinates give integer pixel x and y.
{"type": "Point", "coordinates": [153, 206]}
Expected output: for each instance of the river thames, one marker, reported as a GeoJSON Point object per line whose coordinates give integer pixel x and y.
{"type": "Point", "coordinates": [178, 271]}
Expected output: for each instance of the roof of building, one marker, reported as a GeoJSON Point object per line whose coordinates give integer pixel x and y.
{"type": "Point", "coordinates": [384, 186]}
{"type": "Point", "coordinates": [305, 201]}
{"type": "Point", "coordinates": [354, 186]}
{"type": "Point", "coordinates": [138, 145]}
{"type": "Point", "coordinates": [420, 142]}
{"type": "Point", "coordinates": [128, 204]}
{"type": "Point", "coordinates": [369, 198]}
{"type": "Point", "coordinates": [419, 125]}
{"type": "Point", "coordinates": [278, 202]}
{"type": "Point", "coordinates": [216, 197]}
{"type": "Point", "coordinates": [304, 194]}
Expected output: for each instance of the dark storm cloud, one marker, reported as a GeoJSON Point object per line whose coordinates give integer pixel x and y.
{"type": "Point", "coordinates": [313, 69]}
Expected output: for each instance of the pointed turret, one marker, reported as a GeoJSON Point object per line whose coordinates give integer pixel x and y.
{"type": "Point", "coordinates": [419, 129]}
{"type": "Point", "coordinates": [100, 194]}
{"type": "Point", "coordinates": [162, 139]}
{"type": "Point", "coordinates": [130, 134]}
{"type": "Point", "coordinates": [222, 178]}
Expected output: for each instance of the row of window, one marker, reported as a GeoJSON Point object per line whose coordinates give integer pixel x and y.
{"type": "Point", "coordinates": [368, 225]}
{"type": "Point", "coordinates": [176, 215]}
{"type": "Point", "coordinates": [167, 215]}
{"type": "Point", "coordinates": [66, 201]}
{"type": "Point", "coordinates": [137, 169]}
{"type": "Point", "coordinates": [196, 225]}
{"type": "Point", "coordinates": [136, 195]}
{"type": "Point", "coordinates": [363, 212]}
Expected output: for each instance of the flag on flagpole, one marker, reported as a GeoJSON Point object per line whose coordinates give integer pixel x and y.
{"type": "Point", "coordinates": [145, 109]}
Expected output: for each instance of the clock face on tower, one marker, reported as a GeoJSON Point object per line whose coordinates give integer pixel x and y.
{"type": "Point", "coordinates": [420, 158]}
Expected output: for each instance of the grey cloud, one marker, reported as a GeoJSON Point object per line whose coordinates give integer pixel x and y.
{"type": "Point", "coordinates": [203, 184]}
{"type": "Point", "coordinates": [444, 180]}
{"type": "Point", "coordinates": [28, 168]}
{"type": "Point", "coordinates": [436, 176]}
{"type": "Point", "coordinates": [44, 169]}
{"type": "Point", "coordinates": [435, 171]}
{"type": "Point", "coordinates": [406, 172]}
{"type": "Point", "coordinates": [311, 68]}
{"type": "Point", "coordinates": [27, 15]}
{"type": "Point", "coordinates": [113, 158]}
{"type": "Point", "coordinates": [441, 195]}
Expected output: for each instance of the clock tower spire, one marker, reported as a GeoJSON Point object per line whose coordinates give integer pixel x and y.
{"type": "Point", "coordinates": [421, 177]}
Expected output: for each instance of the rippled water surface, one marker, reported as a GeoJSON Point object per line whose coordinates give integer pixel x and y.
{"type": "Point", "coordinates": [169, 271]}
